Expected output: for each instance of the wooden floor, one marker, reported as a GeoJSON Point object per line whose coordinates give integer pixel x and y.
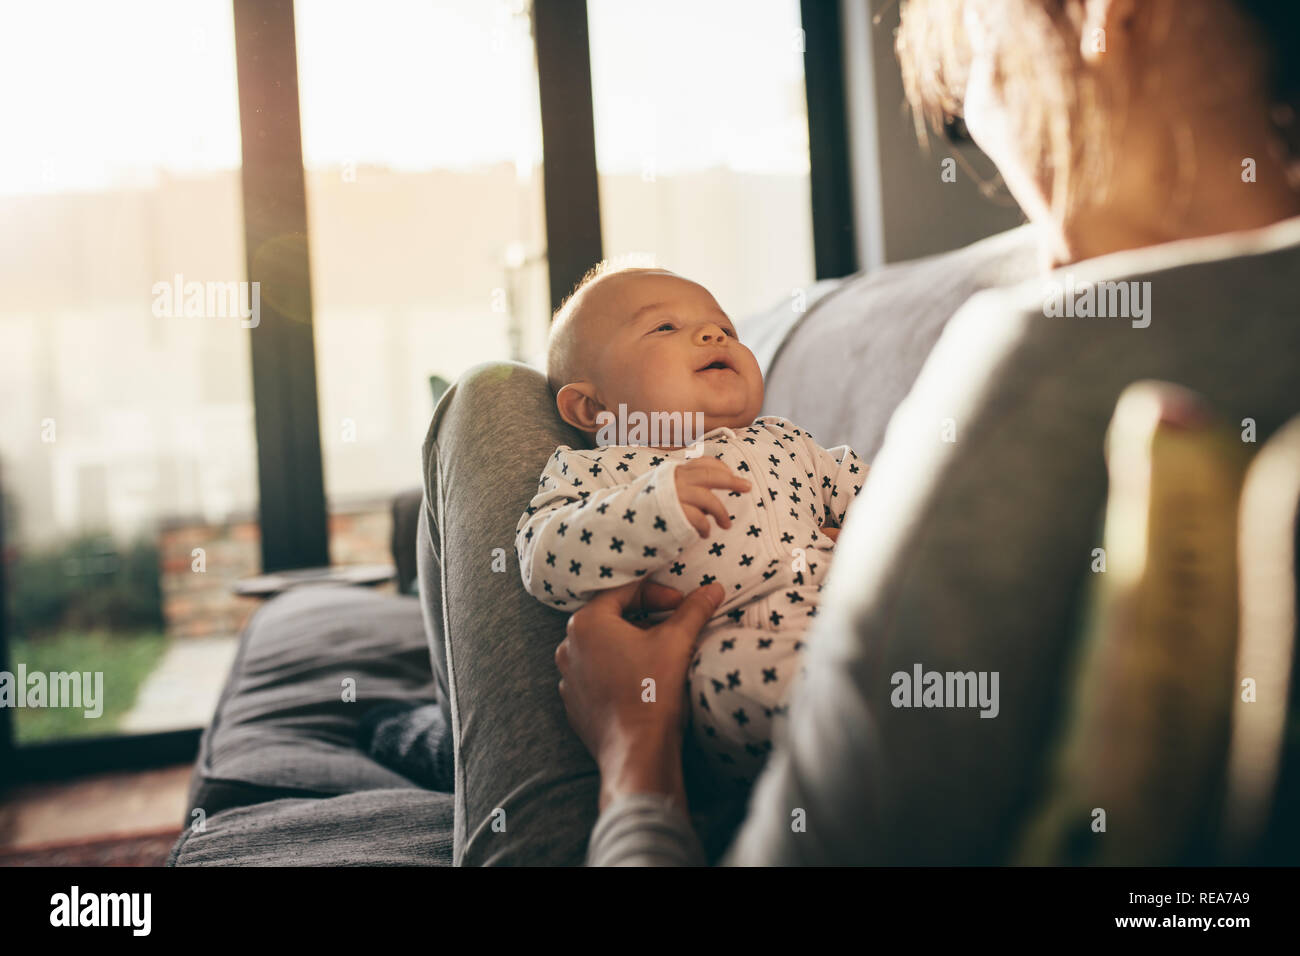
{"type": "Point", "coordinates": [95, 807]}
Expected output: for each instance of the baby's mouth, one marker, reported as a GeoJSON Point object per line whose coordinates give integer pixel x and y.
{"type": "Point", "coordinates": [717, 365]}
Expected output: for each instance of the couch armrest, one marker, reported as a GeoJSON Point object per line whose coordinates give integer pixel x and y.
{"type": "Point", "coordinates": [406, 519]}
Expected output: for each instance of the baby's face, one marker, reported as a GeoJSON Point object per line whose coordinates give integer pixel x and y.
{"type": "Point", "coordinates": [661, 343]}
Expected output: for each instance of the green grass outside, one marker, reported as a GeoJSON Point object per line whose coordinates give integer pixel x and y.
{"type": "Point", "coordinates": [125, 659]}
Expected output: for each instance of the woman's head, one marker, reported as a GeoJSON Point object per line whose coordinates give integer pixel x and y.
{"type": "Point", "coordinates": [1084, 104]}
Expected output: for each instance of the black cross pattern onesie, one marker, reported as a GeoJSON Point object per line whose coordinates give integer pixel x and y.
{"type": "Point", "coordinates": [606, 516]}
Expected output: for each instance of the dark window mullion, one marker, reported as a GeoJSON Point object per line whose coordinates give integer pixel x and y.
{"type": "Point", "coordinates": [569, 181]}
{"type": "Point", "coordinates": [834, 242]}
{"type": "Point", "coordinates": [294, 527]}
{"type": "Point", "coordinates": [78, 757]}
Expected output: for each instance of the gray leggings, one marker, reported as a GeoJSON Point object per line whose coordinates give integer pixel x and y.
{"type": "Point", "coordinates": [526, 788]}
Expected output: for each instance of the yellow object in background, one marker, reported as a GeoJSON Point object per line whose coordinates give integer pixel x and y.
{"type": "Point", "coordinates": [1265, 724]}
{"type": "Point", "coordinates": [1138, 776]}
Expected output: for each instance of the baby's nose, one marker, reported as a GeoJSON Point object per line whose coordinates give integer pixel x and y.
{"type": "Point", "coordinates": [709, 335]}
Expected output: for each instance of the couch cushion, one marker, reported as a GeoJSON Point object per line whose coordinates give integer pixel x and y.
{"type": "Point", "coordinates": [282, 726]}
{"type": "Point", "coordinates": [765, 332]}
{"type": "Point", "coordinates": [848, 361]}
{"type": "Point", "coordinates": [404, 827]}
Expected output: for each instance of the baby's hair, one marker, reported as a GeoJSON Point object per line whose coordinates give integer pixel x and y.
{"type": "Point", "coordinates": [562, 362]}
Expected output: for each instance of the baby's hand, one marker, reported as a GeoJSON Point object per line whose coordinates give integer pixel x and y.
{"type": "Point", "coordinates": [694, 481]}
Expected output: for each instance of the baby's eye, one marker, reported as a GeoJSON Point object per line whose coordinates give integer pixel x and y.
{"type": "Point", "coordinates": [666, 325]}
{"type": "Point", "coordinates": [730, 332]}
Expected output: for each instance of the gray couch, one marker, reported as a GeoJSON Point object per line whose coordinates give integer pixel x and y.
{"type": "Point", "coordinates": [280, 779]}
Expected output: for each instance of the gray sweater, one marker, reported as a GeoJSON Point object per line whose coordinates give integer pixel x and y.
{"type": "Point", "coordinates": [969, 549]}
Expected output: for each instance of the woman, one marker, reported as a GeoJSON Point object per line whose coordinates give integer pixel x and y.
{"type": "Point", "coordinates": [1153, 144]}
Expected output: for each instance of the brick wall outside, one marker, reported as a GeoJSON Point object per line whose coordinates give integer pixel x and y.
{"type": "Point", "coordinates": [203, 604]}
{"type": "Point", "coordinates": [362, 536]}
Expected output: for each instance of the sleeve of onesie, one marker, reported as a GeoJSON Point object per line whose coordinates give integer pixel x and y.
{"type": "Point", "coordinates": [840, 474]}
{"type": "Point", "coordinates": [583, 532]}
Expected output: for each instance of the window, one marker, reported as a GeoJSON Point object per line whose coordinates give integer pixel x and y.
{"type": "Point", "coordinates": [422, 145]}
{"type": "Point", "coordinates": [128, 454]}
{"type": "Point", "coordinates": [127, 459]}
{"type": "Point", "coordinates": [702, 142]}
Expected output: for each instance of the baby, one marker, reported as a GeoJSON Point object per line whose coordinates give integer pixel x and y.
{"type": "Point", "coordinates": [742, 500]}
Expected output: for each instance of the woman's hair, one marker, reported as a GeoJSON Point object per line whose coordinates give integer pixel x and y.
{"type": "Point", "coordinates": [1279, 26]}
{"type": "Point", "coordinates": [1039, 72]}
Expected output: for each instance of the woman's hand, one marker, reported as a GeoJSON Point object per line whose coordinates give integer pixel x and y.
{"type": "Point", "coordinates": [624, 685]}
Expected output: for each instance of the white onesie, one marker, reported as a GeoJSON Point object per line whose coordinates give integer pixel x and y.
{"type": "Point", "coordinates": [603, 517]}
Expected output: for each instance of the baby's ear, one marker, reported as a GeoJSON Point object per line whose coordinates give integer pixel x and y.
{"type": "Point", "coordinates": [579, 407]}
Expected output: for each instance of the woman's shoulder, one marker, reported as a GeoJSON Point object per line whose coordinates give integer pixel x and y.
{"type": "Point", "coordinates": [1138, 288]}
{"type": "Point", "coordinates": [1145, 311]}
